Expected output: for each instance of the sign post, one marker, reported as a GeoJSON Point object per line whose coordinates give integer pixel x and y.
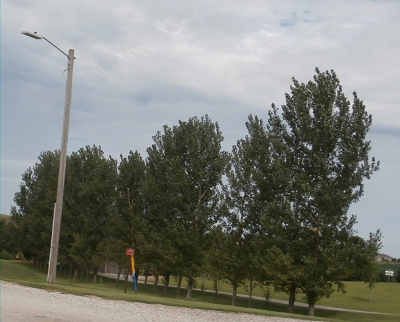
{"type": "Point", "coordinates": [131, 252]}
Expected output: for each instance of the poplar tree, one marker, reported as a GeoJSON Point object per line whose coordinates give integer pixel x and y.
{"type": "Point", "coordinates": [327, 158]}
{"type": "Point", "coordinates": [128, 219]}
{"type": "Point", "coordinates": [90, 204]}
{"type": "Point", "coordinates": [33, 215]}
{"type": "Point", "coordinates": [185, 169]}
{"type": "Point", "coordinates": [242, 208]}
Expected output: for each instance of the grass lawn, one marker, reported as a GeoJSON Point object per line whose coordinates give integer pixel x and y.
{"type": "Point", "coordinates": [357, 296]}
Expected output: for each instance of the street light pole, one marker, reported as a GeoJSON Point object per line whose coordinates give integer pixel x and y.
{"type": "Point", "coordinates": [55, 235]}
{"type": "Point", "coordinates": [53, 259]}
{"type": "Point", "coordinates": [389, 273]}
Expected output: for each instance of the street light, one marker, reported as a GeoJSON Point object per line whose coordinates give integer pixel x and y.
{"type": "Point", "coordinates": [389, 273]}
{"type": "Point", "coordinates": [55, 234]}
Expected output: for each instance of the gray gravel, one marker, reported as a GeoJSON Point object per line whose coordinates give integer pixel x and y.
{"type": "Point", "coordinates": [20, 303]}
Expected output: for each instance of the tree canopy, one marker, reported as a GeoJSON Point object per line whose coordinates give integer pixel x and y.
{"type": "Point", "coordinates": [274, 210]}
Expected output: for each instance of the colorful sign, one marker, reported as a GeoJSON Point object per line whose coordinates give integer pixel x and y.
{"type": "Point", "coordinates": [131, 252]}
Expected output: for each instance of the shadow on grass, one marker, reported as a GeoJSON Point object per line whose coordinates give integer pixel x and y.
{"type": "Point", "coordinates": [360, 299]}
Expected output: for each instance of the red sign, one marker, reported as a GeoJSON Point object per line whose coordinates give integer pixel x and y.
{"type": "Point", "coordinates": [130, 251]}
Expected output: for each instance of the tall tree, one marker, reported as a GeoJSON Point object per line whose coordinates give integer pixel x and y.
{"type": "Point", "coordinates": [186, 166]}
{"type": "Point", "coordinates": [258, 196]}
{"type": "Point", "coordinates": [8, 241]}
{"type": "Point", "coordinates": [90, 199]}
{"type": "Point", "coordinates": [33, 215]}
{"type": "Point", "coordinates": [327, 160]}
{"type": "Point", "coordinates": [362, 259]}
{"type": "Point", "coordinates": [243, 208]}
{"type": "Point", "coordinates": [131, 175]}
{"type": "Point", "coordinates": [128, 219]}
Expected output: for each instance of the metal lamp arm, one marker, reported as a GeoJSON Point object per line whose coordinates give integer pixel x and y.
{"type": "Point", "coordinates": [55, 46]}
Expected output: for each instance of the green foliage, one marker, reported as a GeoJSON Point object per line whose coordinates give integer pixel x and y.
{"type": "Point", "coordinates": [278, 220]}
{"type": "Point", "coordinates": [131, 176]}
{"type": "Point", "coordinates": [5, 255]}
{"type": "Point", "coordinates": [35, 201]}
{"type": "Point", "coordinates": [21, 255]}
{"type": "Point", "coordinates": [185, 167]}
{"type": "Point", "coordinates": [7, 235]}
{"type": "Point", "coordinates": [89, 206]}
{"type": "Point", "coordinates": [397, 275]}
{"type": "Point", "coordinates": [327, 161]}
{"type": "Point", "coordinates": [128, 220]}
{"type": "Point", "coordinates": [315, 158]}
{"type": "Point", "coordinates": [361, 255]}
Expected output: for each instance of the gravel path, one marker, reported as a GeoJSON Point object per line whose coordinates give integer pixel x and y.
{"type": "Point", "coordinates": [20, 303]}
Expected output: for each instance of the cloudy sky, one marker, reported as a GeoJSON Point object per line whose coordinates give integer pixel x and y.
{"type": "Point", "coordinates": [142, 64]}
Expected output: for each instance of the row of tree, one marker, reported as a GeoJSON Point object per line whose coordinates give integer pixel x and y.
{"type": "Point", "coordinates": [273, 211]}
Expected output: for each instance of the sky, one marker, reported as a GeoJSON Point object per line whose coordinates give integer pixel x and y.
{"type": "Point", "coordinates": [141, 65]}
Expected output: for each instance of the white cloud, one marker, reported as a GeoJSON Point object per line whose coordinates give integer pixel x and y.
{"type": "Point", "coordinates": [140, 65]}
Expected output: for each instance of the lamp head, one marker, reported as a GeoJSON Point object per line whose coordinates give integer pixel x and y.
{"type": "Point", "coordinates": [32, 35]}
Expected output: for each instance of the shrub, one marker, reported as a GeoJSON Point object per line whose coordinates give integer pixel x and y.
{"type": "Point", "coordinates": [5, 255]}
{"type": "Point", "coordinates": [397, 275]}
{"type": "Point", "coordinates": [21, 255]}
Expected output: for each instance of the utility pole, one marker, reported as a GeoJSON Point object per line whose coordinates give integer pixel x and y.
{"type": "Point", "coordinates": [55, 234]}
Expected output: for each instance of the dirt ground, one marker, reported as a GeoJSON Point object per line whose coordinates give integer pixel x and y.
{"type": "Point", "coordinates": [20, 303]}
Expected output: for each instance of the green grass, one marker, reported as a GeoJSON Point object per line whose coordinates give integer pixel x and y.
{"type": "Point", "coordinates": [357, 297]}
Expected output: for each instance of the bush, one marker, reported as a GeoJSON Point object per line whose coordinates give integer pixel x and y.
{"type": "Point", "coordinates": [21, 255]}
{"type": "Point", "coordinates": [397, 275]}
{"type": "Point", "coordinates": [5, 255]}
{"type": "Point", "coordinates": [382, 277]}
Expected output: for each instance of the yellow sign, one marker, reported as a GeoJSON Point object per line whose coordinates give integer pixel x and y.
{"type": "Point", "coordinates": [133, 264]}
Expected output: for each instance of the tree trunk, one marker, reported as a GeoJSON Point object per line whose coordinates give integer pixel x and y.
{"type": "Point", "coordinates": [215, 286]}
{"type": "Point", "coordinates": [234, 295]}
{"type": "Point", "coordinates": [311, 309]}
{"type": "Point", "coordinates": [95, 274]}
{"type": "Point", "coordinates": [145, 282]}
{"type": "Point", "coordinates": [58, 270]}
{"type": "Point", "coordinates": [292, 299]}
{"type": "Point", "coordinates": [155, 282]}
{"type": "Point", "coordinates": [166, 277]}
{"type": "Point", "coordinates": [119, 274]}
{"type": "Point", "coordinates": [251, 290]}
{"type": "Point", "coordinates": [189, 292]}
{"type": "Point", "coordinates": [189, 286]}
{"type": "Point", "coordinates": [76, 273]}
{"type": "Point", "coordinates": [71, 268]}
{"type": "Point", "coordinates": [178, 287]}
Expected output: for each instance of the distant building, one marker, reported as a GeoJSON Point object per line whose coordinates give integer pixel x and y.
{"type": "Point", "coordinates": [383, 258]}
